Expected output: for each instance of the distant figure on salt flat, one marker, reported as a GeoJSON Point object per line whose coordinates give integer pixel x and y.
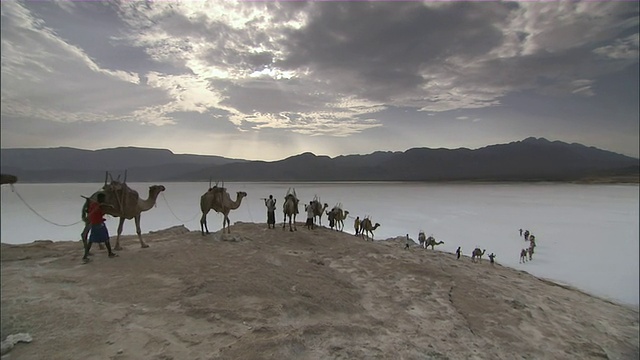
{"type": "Point", "coordinates": [458, 252]}
{"type": "Point", "coordinates": [526, 235]}
{"type": "Point", "coordinates": [491, 257]}
{"type": "Point", "coordinates": [523, 256]}
{"type": "Point", "coordinates": [520, 232]}
{"type": "Point", "coordinates": [270, 203]}
{"type": "Point", "coordinates": [532, 241]}
{"type": "Point", "coordinates": [356, 225]}
{"type": "Point", "coordinates": [408, 243]}
{"type": "Point", "coordinates": [422, 238]}
{"type": "Point", "coordinates": [530, 252]}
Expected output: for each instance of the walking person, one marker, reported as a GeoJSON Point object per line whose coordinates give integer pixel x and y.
{"type": "Point", "coordinates": [408, 243]}
{"type": "Point", "coordinates": [491, 257]}
{"type": "Point", "coordinates": [99, 233]}
{"type": "Point", "coordinates": [356, 225]}
{"type": "Point", "coordinates": [458, 252]}
{"type": "Point", "coordinates": [270, 203]}
{"type": "Point", "coordinates": [520, 232]}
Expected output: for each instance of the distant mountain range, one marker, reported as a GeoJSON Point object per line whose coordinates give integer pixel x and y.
{"type": "Point", "coordinates": [532, 159]}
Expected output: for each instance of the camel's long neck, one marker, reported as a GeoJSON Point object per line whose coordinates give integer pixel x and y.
{"type": "Point", "coordinates": [236, 204]}
{"type": "Point", "coordinates": [149, 202]}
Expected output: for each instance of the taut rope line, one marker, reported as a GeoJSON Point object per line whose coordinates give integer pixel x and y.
{"type": "Point", "coordinates": [42, 217]}
{"type": "Point", "coordinates": [174, 214]}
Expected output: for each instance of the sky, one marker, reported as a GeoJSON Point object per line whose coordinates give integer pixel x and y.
{"type": "Point", "coordinates": [265, 80]}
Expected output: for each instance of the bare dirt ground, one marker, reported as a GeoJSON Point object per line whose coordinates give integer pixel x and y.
{"type": "Point", "coordinates": [261, 293]}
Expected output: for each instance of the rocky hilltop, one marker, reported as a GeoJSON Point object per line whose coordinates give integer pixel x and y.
{"type": "Point", "coordinates": [261, 293]}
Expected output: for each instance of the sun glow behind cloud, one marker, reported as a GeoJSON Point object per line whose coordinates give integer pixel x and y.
{"type": "Point", "coordinates": [306, 68]}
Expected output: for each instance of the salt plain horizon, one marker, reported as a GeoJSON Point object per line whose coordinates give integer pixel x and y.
{"type": "Point", "coordinates": [587, 235]}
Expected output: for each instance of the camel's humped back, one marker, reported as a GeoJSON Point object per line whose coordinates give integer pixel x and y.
{"type": "Point", "coordinates": [121, 196]}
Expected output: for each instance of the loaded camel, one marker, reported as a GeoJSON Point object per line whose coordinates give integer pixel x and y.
{"type": "Point", "coordinates": [338, 216]}
{"type": "Point", "coordinates": [422, 238]}
{"type": "Point", "coordinates": [477, 254]}
{"type": "Point", "coordinates": [431, 241]}
{"type": "Point", "coordinates": [218, 199]}
{"type": "Point", "coordinates": [124, 203]}
{"type": "Point", "coordinates": [8, 179]}
{"type": "Point", "coordinates": [523, 256]}
{"type": "Point", "coordinates": [290, 209]}
{"type": "Point", "coordinates": [366, 228]}
{"type": "Point", "coordinates": [318, 209]}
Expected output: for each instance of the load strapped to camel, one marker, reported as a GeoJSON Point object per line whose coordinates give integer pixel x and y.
{"type": "Point", "coordinates": [115, 192]}
{"type": "Point", "coordinates": [291, 194]}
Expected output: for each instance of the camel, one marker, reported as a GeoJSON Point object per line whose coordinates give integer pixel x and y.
{"type": "Point", "coordinates": [339, 216]}
{"type": "Point", "coordinates": [290, 209]}
{"type": "Point", "coordinates": [124, 203]}
{"type": "Point", "coordinates": [8, 179]}
{"type": "Point", "coordinates": [318, 209]}
{"type": "Point", "coordinates": [431, 241]}
{"type": "Point", "coordinates": [331, 216]}
{"type": "Point", "coordinates": [218, 199]}
{"type": "Point", "coordinates": [477, 254]}
{"type": "Point", "coordinates": [366, 228]}
{"type": "Point", "coordinates": [523, 256]}
{"type": "Point", "coordinates": [422, 238]}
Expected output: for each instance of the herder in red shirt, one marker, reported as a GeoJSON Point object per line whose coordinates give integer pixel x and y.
{"type": "Point", "coordinates": [99, 233]}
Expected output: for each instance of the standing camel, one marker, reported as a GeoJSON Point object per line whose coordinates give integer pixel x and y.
{"type": "Point", "coordinates": [339, 217]}
{"type": "Point", "coordinates": [431, 241]}
{"type": "Point", "coordinates": [422, 238]}
{"type": "Point", "coordinates": [477, 254]}
{"type": "Point", "coordinates": [290, 209]}
{"type": "Point", "coordinates": [218, 199]}
{"type": "Point", "coordinates": [124, 203]}
{"type": "Point", "coordinates": [318, 209]}
{"type": "Point", "coordinates": [8, 179]}
{"type": "Point", "coordinates": [366, 228]}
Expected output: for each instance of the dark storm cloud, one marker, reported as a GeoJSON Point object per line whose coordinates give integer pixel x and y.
{"type": "Point", "coordinates": [384, 46]}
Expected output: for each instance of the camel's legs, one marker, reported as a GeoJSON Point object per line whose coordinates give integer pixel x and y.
{"type": "Point", "coordinates": [120, 226]}
{"type": "Point", "coordinates": [225, 220]}
{"type": "Point", "coordinates": [203, 222]}
{"type": "Point", "coordinates": [139, 232]}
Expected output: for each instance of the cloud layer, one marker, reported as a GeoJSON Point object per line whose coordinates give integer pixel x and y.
{"type": "Point", "coordinates": [335, 70]}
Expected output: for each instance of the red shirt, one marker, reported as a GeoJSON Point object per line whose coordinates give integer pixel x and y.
{"type": "Point", "coordinates": [95, 214]}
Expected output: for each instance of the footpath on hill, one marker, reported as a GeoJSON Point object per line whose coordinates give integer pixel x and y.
{"type": "Point", "coordinates": [261, 293]}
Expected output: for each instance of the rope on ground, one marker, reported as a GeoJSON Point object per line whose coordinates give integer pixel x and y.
{"type": "Point", "coordinates": [249, 209]}
{"type": "Point", "coordinates": [174, 214]}
{"type": "Point", "coordinates": [42, 217]}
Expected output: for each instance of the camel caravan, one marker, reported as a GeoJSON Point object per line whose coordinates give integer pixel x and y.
{"type": "Point", "coordinates": [123, 202]}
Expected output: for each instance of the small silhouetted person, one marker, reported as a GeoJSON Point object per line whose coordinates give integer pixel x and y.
{"type": "Point", "coordinates": [310, 215]}
{"type": "Point", "coordinates": [526, 235]}
{"type": "Point", "coordinates": [491, 257]}
{"type": "Point", "coordinates": [356, 225]}
{"type": "Point", "coordinates": [458, 252]}
{"type": "Point", "coordinates": [520, 232]}
{"type": "Point", "coordinates": [270, 203]}
{"type": "Point", "coordinates": [406, 245]}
